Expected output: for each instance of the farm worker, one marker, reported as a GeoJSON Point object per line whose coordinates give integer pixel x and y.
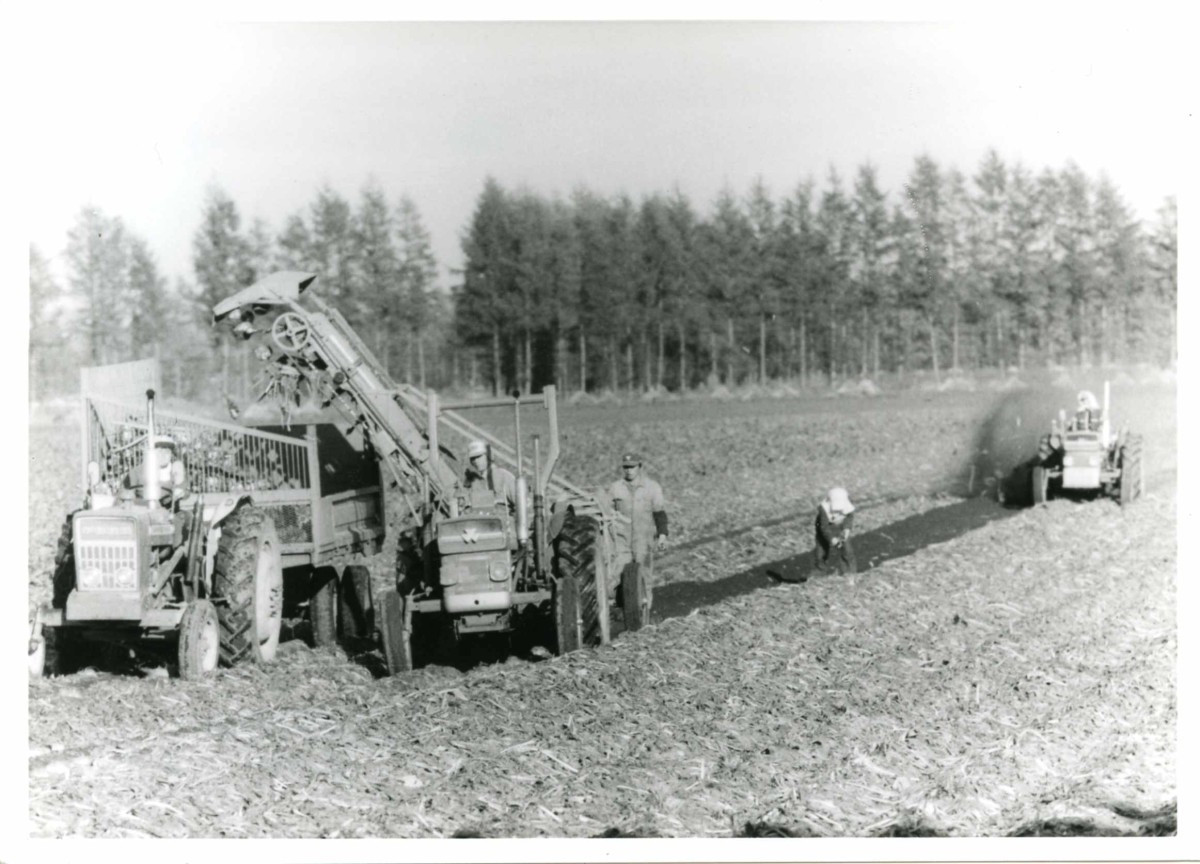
{"type": "Point", "coordinates": [641, 524]}
{"type": "Point", "coordinates": [1087, 411]}
{"type": "Point", "coordinates": [482, 474]}
{"type": "Point", "coordinates": [171, 472]}
{"type": "Point", "coordinates": [835, 518]}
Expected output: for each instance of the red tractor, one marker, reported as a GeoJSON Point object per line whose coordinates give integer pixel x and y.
{"type": "Point", "coordinates": [1081, 455]}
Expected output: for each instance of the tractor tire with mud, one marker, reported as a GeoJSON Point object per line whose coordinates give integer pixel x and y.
{"type": "Point", "coordinates": [395, 624]}
{"type": "Point", "coordinates": [577, 610]}
{"type": "Point", "coordinates": [1041, 485]}
{"type": "Point", "coordinates": [199, 640]}
{"type": "Point", "coordinates": [565, 624]}
{"type": "Point", "coordinates": [323, 607]}
{"type": "Point", "coordinates": [248, 577]}
{"type": "Point", "coordinates": [1133, 471]}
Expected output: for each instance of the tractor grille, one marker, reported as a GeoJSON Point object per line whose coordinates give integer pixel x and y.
{"type": "Point", "coordinates": [106, 565]}
{"type": "Point", "coordinates": [293, 522]}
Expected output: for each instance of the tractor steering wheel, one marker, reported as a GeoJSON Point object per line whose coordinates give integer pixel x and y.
{"type": "Point", "coordinates": [291, 332]}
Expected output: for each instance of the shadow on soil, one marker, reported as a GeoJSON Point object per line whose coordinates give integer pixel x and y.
{"type": "Point", "coordinates": [870, 548]}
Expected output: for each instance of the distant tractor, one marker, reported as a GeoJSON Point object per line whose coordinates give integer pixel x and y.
{"type": "Point", "coordinates": [1082, 456]}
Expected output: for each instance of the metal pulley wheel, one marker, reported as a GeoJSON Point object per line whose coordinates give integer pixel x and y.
{"type": "Point", "coordinates": [291, 332]}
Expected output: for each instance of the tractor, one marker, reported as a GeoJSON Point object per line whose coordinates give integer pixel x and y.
{"type": "Point", "coordinates": [1080, 455]}
{"type": "Point", "coordinates": [466, 565]}
{"type": "Point", "coordinates": [149, 560]}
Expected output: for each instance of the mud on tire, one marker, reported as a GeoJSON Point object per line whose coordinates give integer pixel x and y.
{"type": "Point", "coordinates": [248, 632]}
{"type": "Point", "coordinates": [575, 551]}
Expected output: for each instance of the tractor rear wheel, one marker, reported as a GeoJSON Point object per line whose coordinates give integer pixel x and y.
{"type": "Point", "coordinates": [575, 560]}
{"type": "Point", "coordinates": [248, 576]}
{"type": "Point", "coordinates": [1041, 485]}
{"type": "Point", "coordinates": [566, 615]}
{"type": "Point", "coordinates": [322, 607]}
{"type": "Point", "coordinates": [396, 626]}
{"type": "Point", "coordinates": [199, 640]}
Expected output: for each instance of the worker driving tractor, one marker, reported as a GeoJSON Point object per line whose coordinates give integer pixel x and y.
{"type": "Point", "coordinates": [484, 477]}
{"type": "Point", "coordinates": [170, 471]}
{"type": "Point", "coordinates": [1088, 414]}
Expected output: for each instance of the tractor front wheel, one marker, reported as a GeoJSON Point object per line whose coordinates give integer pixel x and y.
{"type": "Point", "coordinates": [396, 625]}
{"type": "Point", "coordinates": [199, 640]}
{"type": "Point", "coordinates": [357, 604]}
{"type": "Point", "coordinates": [322, 607]}
{"type": "Point", "coordinates": [248, 576]}
{"type": "Point", "coordinates": [1041, 485]}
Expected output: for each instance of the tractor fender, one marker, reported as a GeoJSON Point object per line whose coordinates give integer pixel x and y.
{"type": "Point", "coordinates": [214, 515]}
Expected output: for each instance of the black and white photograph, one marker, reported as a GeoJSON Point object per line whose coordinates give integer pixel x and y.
{"type": "Point", "coordinates": [660, 438]}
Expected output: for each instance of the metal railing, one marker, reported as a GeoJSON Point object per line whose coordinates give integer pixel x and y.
{"type": "Point", "coordinates": [217, 457]}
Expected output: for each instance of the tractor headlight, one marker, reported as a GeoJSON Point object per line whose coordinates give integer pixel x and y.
{"type": "Point", "coordinates": [1093, 460]}
{"type": "Point", "coordinates": [125, 577]}
{"type": "Point", "coordinates": [90, 577]}
{"type": "Point", "coordinates": [1068, 461]}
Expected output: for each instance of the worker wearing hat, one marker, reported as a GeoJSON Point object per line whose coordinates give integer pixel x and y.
{"type": "Point", "coordinates": [641, 525]}
{"type": "Point", "coordinates": [482, 474]}
{"type": "Point", "coordinates": [835, 518]}
{"type": "Point", "coordinates": [1088, 414]}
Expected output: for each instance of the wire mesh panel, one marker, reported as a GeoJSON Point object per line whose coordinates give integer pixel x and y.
{"type": "Point", "coordinates": [293, 522]}
{"type": "Point", "coordinates": [217, 457]}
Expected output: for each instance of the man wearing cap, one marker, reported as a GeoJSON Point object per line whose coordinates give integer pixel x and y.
{"type": "Point", "coordinates": [639, 500]}
{"type": "Point", "coordinates": [481, 474]}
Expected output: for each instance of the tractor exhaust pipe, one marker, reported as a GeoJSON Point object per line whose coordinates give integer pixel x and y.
{"type": "Point", "coordinates": [150, 483]}
{"type": "Point", "coordinates": [1105, 429]}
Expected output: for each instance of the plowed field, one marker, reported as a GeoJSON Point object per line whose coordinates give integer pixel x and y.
{"type": "Point", "coordinates": [989, 671]}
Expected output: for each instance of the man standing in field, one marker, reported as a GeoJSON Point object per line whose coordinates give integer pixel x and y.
{"type": "Point", "coordinates": [641, 522]}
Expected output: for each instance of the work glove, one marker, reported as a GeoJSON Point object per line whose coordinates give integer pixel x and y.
{"type": "Point", "coordinates": [660, 541]}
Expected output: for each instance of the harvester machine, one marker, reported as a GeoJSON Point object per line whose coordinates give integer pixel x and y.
{"type": "Point", "coordinates": [467, 563]}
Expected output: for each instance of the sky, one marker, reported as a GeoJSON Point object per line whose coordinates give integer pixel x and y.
{"type": "Point", "coordinates": [141, 117]}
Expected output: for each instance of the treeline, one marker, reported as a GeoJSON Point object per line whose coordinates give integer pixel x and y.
{"type": "Point", "coordinates": [374, 259]}
{"type": "Point", "coordinates": [1005, 268]}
